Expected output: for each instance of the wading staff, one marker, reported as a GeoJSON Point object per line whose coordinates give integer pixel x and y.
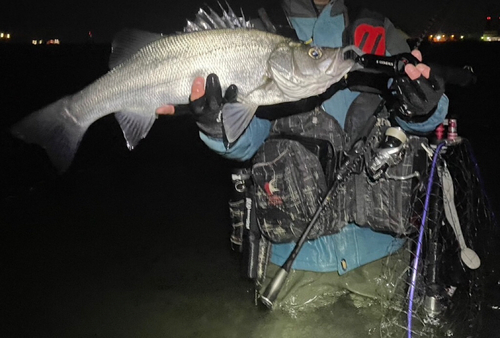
{"type": "Point", "coordinates": [353, 162]}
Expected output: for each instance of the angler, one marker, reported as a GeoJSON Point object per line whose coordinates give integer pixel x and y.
{"type": "Point", "coordinates": [295, 158]}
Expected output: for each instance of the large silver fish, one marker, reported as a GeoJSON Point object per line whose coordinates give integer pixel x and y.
{"type": "Point", "coordinates": [154, 70]}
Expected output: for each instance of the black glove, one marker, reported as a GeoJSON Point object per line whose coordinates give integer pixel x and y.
{"type": "Point", "coordinates": [416, 99]}
{"type": "Point", "coordinates": [207, 109]}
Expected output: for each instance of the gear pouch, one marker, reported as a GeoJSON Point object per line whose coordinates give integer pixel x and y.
{"type": "Point", "coordinates": [388, 204]}
{"type": "Point", "coordinates": [289, 184]}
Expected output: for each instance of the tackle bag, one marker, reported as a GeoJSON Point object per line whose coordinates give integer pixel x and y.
{"type": "Point", "coordinates": [292, 173]}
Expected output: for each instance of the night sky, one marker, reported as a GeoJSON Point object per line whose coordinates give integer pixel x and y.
{"type": "Point", "coordinates": [70, 21]}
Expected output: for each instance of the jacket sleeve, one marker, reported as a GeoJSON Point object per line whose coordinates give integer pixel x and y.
{"type": "Point", "coordinates": [246, 146]}
{"type": "Point", "coordinates": [431, 123]}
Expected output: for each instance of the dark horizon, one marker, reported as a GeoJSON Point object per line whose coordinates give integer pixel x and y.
{"type": "Point", "coordinates": [72, 23]}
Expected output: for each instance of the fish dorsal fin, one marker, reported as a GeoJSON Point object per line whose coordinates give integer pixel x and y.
{"type": "Point", "coordinates": [211, 20]}
{"type": "Point", "coordinates": [128, 42]}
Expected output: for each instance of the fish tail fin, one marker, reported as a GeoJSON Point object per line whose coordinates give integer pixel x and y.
{"type": "Point", "coordinates": [55, 129]}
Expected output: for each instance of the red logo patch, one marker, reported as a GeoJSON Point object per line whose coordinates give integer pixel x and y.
{"type": "Point", "coordinates": [370, 39]}
{"type": "Point", "coordinates": [273, 199]}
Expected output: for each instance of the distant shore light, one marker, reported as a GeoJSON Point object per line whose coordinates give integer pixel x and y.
{"type": "Point", "coordinates": [4, 35]}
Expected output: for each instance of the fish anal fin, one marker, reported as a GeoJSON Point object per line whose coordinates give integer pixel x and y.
{"type": "Point", "coordinates": [135, 126]}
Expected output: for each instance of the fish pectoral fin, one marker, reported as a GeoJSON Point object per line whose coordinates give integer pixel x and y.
{"type": "Point", "coordinates": [236, 117]}
{"type": "Point", "coordinates": [127, 43]}
{"type": "Point", "coordinates": [135, 126]}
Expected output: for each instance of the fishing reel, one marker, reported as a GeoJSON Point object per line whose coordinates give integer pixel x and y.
{"type": "Point", "coordinates": [389, 153]}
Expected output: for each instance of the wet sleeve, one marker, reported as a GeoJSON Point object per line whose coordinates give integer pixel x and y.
{"type": "Point", "coordinates": [246, 146]}
{"type": "Point", "coordinates": [431, 123]}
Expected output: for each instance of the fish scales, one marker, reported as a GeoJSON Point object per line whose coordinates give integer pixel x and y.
{"type": "Point", "coordinates": [163, 72]}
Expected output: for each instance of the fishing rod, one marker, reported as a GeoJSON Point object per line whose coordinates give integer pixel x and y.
{"type": "Point", "coordinates": [431, 22]}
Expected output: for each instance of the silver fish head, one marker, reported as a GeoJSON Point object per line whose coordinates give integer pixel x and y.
{"type": "Point", "coordinates": [301, 70]}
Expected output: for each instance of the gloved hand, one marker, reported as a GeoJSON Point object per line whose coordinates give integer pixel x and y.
{"type": "Point", "coordinates": [419, 93]}
{"type": "Point", "coordinates": [206, 104]}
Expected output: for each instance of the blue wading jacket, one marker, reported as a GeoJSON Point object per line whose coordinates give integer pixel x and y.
{"type": "Point", "coordinates": [353, 246]}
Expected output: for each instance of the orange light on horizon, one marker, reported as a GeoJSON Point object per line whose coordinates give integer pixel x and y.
{"type": "Point", "coordinates": [439, 38]}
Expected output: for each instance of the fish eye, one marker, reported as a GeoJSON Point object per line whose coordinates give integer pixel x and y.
{"type": "Point", "coordinates": [315, 53]}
